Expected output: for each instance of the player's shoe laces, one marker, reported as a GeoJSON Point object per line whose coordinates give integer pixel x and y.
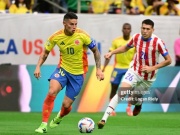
{"type": "Point", "coordinates": [113, 113]}
{"type": "Point", "coordinates": [101, 124]}
{"type": "Point", "coordinates": [42, 128]}
{"type": "Point", "coordinates": [137, 110]}
{"type": "Point", "coordinates": [56, 121]}
{"type": "Point", "coordinates": [129, 111]}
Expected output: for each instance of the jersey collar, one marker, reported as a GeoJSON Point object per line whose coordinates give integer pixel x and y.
{"type": "Point", "coordinates": [146, 40]}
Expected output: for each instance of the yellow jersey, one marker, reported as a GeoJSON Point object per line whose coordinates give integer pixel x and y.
{"type": "Point", "coordinates": [3, 5]}
{"type": "Point", "coordinates": [122, 60]}
{"type": "Point", "coordinates": [73, 50]}
{"type": "Point", "coordinates": [139, 4]}
{"type": "Point", "coordinates": [22, 9]}
{"type": "Point", "coordinates": [100, 6]}
{"type": "Point", "coordinates": [165, 11]}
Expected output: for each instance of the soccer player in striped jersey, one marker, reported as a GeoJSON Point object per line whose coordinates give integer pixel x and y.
{"type": "Point", "coordinates": [143, 69]}
{"type": "Point", "coordinates": [121, 63]}
{"type": "Point", "coordinates": [70, 72]}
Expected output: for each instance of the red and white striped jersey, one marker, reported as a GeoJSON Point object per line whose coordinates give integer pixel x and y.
{"type": "Point", "coordinates": [147, 53]}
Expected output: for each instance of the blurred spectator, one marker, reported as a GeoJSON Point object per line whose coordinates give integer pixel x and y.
{"type": "Point", "coordinates": [128, 9]}
{"type": "Point", "coordinates": [153, 8]}
{"type": "Point", "coordinates": [115, 7]}
{"type": "Point", "coordinates": [63, 3]}
{"type": "Point", "coordinates": [4, 4]}
{"type": "Point", "coordinates": [31, 4]}
{"type": "Point", "coordinates": [177, 51]}
{"type": "Point", "coordinates": [20, 7]}
{"type": "Point", "coordinates": [73, 6]}
{"type": "Point", "coordinates": [170, 8]}
{"type": "Point", "coordinates": [43, 7]}
{"type": "Point", "coordinates": [100, 6]}
{"type": "Point", "coordinates": [138, 6]}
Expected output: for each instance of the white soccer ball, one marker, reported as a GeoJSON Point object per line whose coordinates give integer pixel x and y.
{"type": "Point", "coordinates": [86, 125]}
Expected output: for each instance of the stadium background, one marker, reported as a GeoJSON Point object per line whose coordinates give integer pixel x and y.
{"type": "Point", "coordinates": [21, 44]}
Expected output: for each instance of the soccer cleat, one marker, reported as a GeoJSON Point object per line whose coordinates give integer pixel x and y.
{"type": "Point", "coordinates": [137, 110]}
{"type": "Point", "coordinates": [101, 124]}
{"type": "Point", "coordinates": [42, 128]}
{"type": "Point", "coordinates": [56, 121]}
{"type": "Point", "coordinates": [129, 111]}
{"type": "Point", "coordinates": [113, 113]}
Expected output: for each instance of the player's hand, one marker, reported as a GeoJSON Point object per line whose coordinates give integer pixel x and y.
{"type": "Point", "coordinates": [146, 69]}
{"type": "Point", "coordinates": [108, 55]}
{"type": "Point", "coordinates": [37, 72]}
{"type": "Point", "coordinates": [99, 75]}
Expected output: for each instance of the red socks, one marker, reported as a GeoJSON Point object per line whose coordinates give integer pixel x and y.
{"type": "Point", "coordinates": [47, 107]}
{"type": "Point", "coordinates": [65, 111]}
{"type": "Point", "coordinates": [129, 105]}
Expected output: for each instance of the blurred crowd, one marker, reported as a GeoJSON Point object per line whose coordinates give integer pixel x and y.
{"type": "Point", "coordinates": [131, 7]}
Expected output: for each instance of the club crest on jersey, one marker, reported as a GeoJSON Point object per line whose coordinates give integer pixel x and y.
{"type": "Point", "coordinates": [56, 75]}
{"type": "Point", "coordinates": [77, 42]}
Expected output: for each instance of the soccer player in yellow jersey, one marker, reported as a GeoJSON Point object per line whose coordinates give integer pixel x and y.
{"type": "Point", "coordinates": [73, 44]}
{"type": "Point", "coordinates": [121, 63]}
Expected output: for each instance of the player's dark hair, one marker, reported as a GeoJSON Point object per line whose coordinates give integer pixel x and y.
{"type": "Point", "coordinates": [70, 15]}
{"type": "Point", "coordinates": [126, 24]}
{"type": "Point", "coordinates": [148, 22]}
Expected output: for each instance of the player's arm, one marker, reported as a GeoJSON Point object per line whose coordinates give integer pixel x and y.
{"type": "Point", "coordinates": [41, 60]}
{"type": "Point", "coordinates": [116, 51]}
{"type": "Point", "coordinates": [167, 61]}
{"type": "Point", "coordinates": [106, 62]}
{"type": "Point", "coordinates": [97, 58]}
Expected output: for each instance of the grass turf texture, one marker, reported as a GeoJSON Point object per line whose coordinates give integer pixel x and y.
{"type": "Point", "coordinates": [15, 123]}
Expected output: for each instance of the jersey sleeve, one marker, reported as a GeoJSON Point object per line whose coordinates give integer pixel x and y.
{"type": "Point", "coordinates": [92, 44]}
{"type": "Point", "coordinates": [88, 41]}
{"type": "Point", "coordinates": [130, 43]}
{"type": "Point", "coordinates": [49, 44]}
{"type": "Point", "coordinates": [162, 48]}
{"type": "Point", "coordinates": [113, 45]}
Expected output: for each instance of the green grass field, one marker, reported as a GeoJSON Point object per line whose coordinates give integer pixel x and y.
{"type": "Point", "coordinates": [15, 123]}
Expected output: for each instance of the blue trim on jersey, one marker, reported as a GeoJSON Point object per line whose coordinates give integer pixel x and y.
{"type": "Point", "coordinates": [92, 44]}
{"type": "Point", "coordinates": [146, 40]}
{"type": "Point", "coordinates": [165, 54]}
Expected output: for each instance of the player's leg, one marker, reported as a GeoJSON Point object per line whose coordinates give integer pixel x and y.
{"type": "Point", "coordinates": [54, 88]}
{"type": "Point", "coordinates": [116, 77]}
{"type": "Point", "coordinates": [141, 88]}
{"type": "Point", "coordinates": [128, 82]}
{"type": "Point", "coordinates": [128, 108]}
{"type": "Point", "coordinates": [114, 88]}
{"type": "Point", "coordinates": [65, 110]}
{"type": "Point", "coordinates": [138, 102]}
{"type": "Point", "coordinates": [48, 105]}
{"type": "Point", "coordinates": [73, 88]}
{"type": "Point", "coordinates": [113, 103]}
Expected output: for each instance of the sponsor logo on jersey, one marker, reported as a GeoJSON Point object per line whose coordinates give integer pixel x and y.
{"type": "Point", "coordinates": [62, 43]}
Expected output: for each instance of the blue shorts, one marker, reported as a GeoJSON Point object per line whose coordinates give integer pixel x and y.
{"type": "Point", "coordinates": [72, 82]}
{"type": "Point", "coordinates": [117, 75]}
